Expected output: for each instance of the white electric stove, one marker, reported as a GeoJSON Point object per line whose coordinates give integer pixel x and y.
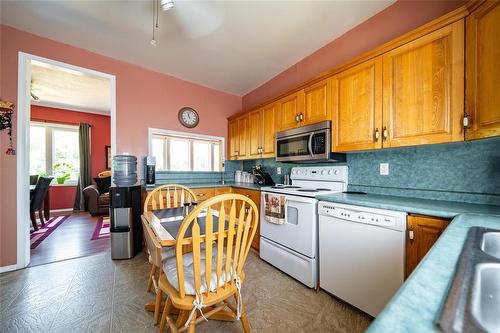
{"type": "Point", "coordinates": [293, 246]}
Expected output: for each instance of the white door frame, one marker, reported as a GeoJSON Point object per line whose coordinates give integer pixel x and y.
{"type": "Point", "coordinates": [23, 122]}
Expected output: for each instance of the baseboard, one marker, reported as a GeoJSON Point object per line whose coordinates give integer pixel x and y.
{"type": "Point", "coordinates": [9, 268]}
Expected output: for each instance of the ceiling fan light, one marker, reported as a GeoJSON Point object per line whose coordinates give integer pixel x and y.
{"type": "Point", "coordinates": [166, 4]}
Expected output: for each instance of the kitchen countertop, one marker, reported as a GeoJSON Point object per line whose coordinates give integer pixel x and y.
{"type": "Point", "coordinates": [417, 304]}
{"type": "Point", "coordinates": [438, 208]}
{"type": "Point", "coordinates": [247, 186]}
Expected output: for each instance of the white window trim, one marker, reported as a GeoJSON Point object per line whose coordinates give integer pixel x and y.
{"type": "Point", "coordinates": [188, 135]}
{"type": "Point", "coordinates": [48, 139]}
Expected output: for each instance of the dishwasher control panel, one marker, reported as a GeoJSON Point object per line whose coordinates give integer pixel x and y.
{"type": "Point", "coordinates": [361, 216]}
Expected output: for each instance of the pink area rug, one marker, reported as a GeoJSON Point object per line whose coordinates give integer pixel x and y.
{"type": "Point", "coordinates": [37, 237]}
{"type": "Point", "coordinates": [101, 229]}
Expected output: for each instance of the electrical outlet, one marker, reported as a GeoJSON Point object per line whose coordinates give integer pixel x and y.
{"type": "Point", "coordinates": [278, 170]}
{"type": "Point", "coordinates": [384, 169]}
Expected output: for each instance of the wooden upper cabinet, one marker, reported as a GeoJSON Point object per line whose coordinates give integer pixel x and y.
{"type": "Point", "coordinates": [288, 110]}
{"type": "Point", "coordinates": [483, 71]}
{"type": "Point", "coordinates": [423, 88]}
{"type": "Point", "coordinates": [234, 140]}
{"type": "Point", "coordinates": [268, 116]}
{"type": "Point", "coordinates": [357, 107]}
{"type": "Point", "coordinates": [243, 140]}
{"type": "Point", "coordinates": [254, 133]}
{"type": "Point", "coordinates": [422, 233]}
{"type": "Point", "coordinates": [317, 103]}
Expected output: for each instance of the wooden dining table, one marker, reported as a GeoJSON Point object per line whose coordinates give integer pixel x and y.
{"type": "Point", "coordinates": [46, 202]}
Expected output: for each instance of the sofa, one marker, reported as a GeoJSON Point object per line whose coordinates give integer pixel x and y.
{"type": "Point", "coordinates": [97, 198]}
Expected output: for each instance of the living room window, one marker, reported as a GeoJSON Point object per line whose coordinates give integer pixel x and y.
{"type": "Point", "coordinates": [54, 150]}
{"type": "Point", "coordinates": [178, 151]}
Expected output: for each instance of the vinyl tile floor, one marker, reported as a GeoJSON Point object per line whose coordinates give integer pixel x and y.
{"type": "Point", "coordinates": [95, 294]}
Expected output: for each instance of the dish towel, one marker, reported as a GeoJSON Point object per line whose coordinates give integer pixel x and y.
{"type": "Point", "coordinates": [275, 210]}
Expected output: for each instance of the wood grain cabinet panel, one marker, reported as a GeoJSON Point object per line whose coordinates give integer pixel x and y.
{"type": "Point", "coordinates": [255, 196]}
{"type": "Point", "coordinates": [203, 194]}
{"type": "Point", "coordinates": [317, 103]}
{"type": "Point", "coordinates": [243, 139]}
{"type": "Point", "coordinates": [423, 88]}
{"type": "Point", "coordinates": [483, 71]}
{"type": "Point", "coordinates": [268, 137]}
{"type": "Point", "coordinates": [357, 107]}
{"type": "Point", "coordinates": [422, 233]}
{"type": "Point", "coordinates": [288, 109]}
{"type": "Point", "coordinates": [254, 133]}
{"type": "Point", "coordinates": [234, 140]}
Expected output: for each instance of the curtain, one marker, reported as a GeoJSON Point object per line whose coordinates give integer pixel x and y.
{"type": "Point", "coordinates": [85, 177]}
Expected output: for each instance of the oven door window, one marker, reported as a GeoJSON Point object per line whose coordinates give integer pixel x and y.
{"type": "Point", "coordinates": [296, 146]}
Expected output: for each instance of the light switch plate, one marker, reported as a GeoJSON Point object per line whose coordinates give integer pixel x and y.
{"type": "Point", "coordinates": [278, 170]}
{"type": "Point", "coordinates": [384, 169]}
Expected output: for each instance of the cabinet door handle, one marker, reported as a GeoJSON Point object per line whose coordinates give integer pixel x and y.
{"type": "Point", "coordinates": [377, 134]}
{"type": "Point", "coordinates": [296, 118]}
{"type": "Point", "coordinates": [201, 194]}
{"type": "Point", "coordinates": [411, 235]}
{"type": "Point", "coordinates": [301, 116]}
{"type": "Point", "coordinates": [384, 133]}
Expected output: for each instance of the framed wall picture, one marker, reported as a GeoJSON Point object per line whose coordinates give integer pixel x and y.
{"type": "Point", "coordinates": [108, 156]}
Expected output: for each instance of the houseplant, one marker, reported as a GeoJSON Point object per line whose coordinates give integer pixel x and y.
{"type": "Point", "coordinates": [62, 172]}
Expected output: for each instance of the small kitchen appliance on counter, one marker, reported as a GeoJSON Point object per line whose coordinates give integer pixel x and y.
{"type": "Point", "coordinates": [149, 166]}
{"type": "Point", "coordinates": [262, 177]}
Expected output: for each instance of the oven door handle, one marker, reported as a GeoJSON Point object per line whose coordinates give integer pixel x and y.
{"type": "Point", "coordinates": [310, 144]}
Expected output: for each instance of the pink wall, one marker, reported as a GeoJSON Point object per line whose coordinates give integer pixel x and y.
{"type": "Point", "coordinates": [144, 99]}
{"type": "Point", "coordinates": [64, 196]}
{"type": "Point", "coordinates": [392, 22]}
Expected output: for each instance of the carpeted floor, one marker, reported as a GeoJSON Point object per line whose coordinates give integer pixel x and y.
{"type": "Point", "coordinates": [95, 294]}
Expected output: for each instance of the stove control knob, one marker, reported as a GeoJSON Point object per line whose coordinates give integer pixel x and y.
{"type": "Point", "coordinates": [329, 172]}
{"type": "Point", "coordinates": [322, 172]}
{"type": "Point", "coordinates": [336, 172]}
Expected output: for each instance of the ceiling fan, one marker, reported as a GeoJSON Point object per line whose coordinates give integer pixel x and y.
{"type": "Point", "coordinates": [196, 18]}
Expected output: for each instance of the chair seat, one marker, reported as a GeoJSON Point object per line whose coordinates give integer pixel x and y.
{"type": "Point", "coordinates": [170, 270]}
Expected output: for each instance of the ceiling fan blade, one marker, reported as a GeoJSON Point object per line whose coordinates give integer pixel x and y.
{"type": "Point", "coordinates": [198, 18]}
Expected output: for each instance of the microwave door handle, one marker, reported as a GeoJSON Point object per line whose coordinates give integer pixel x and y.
{"type": "Point", "coordinates": [310, 144]}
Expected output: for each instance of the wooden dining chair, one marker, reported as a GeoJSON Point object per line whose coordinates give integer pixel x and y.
{"type": "Point", "coordinates": [165, 196]}
{"type": "Point", "coordinates": [201, 283]}
{"type": "Point", "coordinates": [37, 198]}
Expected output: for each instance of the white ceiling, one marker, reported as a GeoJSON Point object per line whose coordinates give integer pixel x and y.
{"type": "Point", "coordinates": [69, 89]}
{"type": "Point", "coordinates": [233, 46]}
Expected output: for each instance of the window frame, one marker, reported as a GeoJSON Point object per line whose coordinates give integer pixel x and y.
{"type": "Point", "coordinates": [154, 132]}
{"type": "Point", "coordinates": [50, 146]}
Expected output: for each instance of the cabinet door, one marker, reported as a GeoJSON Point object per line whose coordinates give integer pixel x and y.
{"type": "Point", "coordinates": [268, 130]}
{"type": "Point", "coordinates": [255, 196]}
{"type": "Point", "coordinates": [254, 136]}
{"type": "Point", "coordinates": [288, 108]}
{"type": "Point", "coordinates": [483, 71]}
{"type": "Point", "coordinates": [357, 107]}
{"type": "Point", "coordinates": [424, 89]}
{"type": "Point", "coordinates": [317, 103]}
{"type": "Point", "coordinates": [422, 231]}
{"type": "Point", "coordinates": [243, 137]}
{"type": "Point", "coordinates": [234, 140]}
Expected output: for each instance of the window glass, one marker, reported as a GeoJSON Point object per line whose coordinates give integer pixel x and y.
{"type": "Point", "coordinates": [158, 147]}
{"type": "Point", "coordinates": [65, 154]}
{"type": "Point", "coordinates": [38, 161]}
{"type": "Point", "coordinates": [201, 156]}
{"type": "Point", "coordinates": [179, 155]}
{"type": "Point", "coordinates": [186, 153]}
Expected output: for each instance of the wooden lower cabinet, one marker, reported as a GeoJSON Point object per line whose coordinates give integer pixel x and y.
{"type": "Point", "coordinates": [203, 194]}
{"type": "Point", "coordinates": [422, 232]}
{"type": "Point", "coordinates": [255, 196]}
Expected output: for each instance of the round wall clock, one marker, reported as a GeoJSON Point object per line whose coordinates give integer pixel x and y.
{"type": "Point", "coordinates": [188, 117]}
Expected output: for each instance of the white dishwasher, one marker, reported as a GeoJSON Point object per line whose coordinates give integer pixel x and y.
{"type": "Point", "coordinates": [361, 254]}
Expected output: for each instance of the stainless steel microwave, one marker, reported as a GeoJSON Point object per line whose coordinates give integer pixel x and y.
{"type": "Point", "coordinates": [307, 143]}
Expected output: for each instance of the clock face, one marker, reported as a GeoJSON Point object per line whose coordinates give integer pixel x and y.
{"type": "Point", "coordinates": [188, 117]}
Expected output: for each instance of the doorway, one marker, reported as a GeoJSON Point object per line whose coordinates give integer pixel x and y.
{"type": "Point", "coordinates": [39, 119]}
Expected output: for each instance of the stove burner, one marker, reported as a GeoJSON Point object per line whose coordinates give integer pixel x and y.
{"type": "Point", "coordinates": [286, 186]}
